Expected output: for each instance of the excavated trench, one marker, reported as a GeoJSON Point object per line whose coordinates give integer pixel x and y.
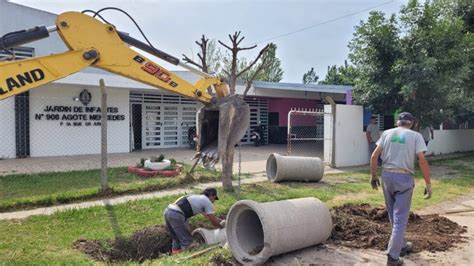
{"type": "Point", "coordinates": [355, 226]}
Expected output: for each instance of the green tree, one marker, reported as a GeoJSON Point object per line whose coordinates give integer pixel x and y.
{"type": "Point", "coordinates": [343, 75]}
{"type": "Point", "coordinates": [214, 58]}
{"type": "Point", "coordinates": [310, 77]}
{"type": "Point", "coordinates": [270, 66]}
{"type": "Point", "coordinates": [427, 70]}
{"type": "Point", "coordinates": [374, 51]}
{"type": "Point", "coordinates": [461, 102]}
{"type": "Point", "coordinates": [433, 68]}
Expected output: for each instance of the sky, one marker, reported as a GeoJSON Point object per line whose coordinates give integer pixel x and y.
{"type": "Point", "coordinates": [308, 33]}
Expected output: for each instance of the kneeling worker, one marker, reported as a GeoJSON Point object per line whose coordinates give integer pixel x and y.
{"type": "Point", "coordinates": [178, 213]}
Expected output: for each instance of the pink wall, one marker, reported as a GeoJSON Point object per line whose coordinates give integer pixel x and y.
{"type": "Point", "coordinates": [283, 106]}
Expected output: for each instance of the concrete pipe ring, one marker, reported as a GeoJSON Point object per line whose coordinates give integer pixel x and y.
{"type": "Point", "coordinates": [294, 168]}
{"type": "Point", "coordinates": [210, 237]}
{"type": "Point", "coordinates": [257, 231]}
{"type": "Point", "coordinates": [246, 230]}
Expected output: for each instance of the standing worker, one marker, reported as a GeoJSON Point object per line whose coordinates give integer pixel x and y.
{"type": "Point", "coordinates": [398, 147]}
{"type": "Point", "coordinates": [373, 134]}
{"type": "Point", "coordinates": [427, 133]}
{"type": "Point", "coordinates": [178, 213]}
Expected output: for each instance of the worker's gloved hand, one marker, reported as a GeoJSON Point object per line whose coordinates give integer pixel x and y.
{"type": "Point", "coordinates": [375, 182]}
{"type": "Point", "coordinates": [428, 191]}
{"type": "Point", "coordinates": [222, 223]}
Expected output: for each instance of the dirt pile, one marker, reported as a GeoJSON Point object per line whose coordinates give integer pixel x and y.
{"type": "Point", "coordinates": [365, 226]}
{"type": "Point", "coordinates": [148, 243]}
{"type": "Point", "coordinates": [357, 226]}
{"type": "Point", "coordinates": [145, 244]}
{"type": "Point", "coordinates": [222, 258]}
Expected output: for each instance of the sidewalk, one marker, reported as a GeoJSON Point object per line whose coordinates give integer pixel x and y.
{"type": "Point", "coordinates": [121, 199]}
{"type": "Point", "coordinates": [253, 160]}
{"type": "Point", "coordinates": [257, 177]}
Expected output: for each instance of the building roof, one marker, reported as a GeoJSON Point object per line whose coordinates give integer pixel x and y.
{"type": "Point", "coordinates": [301, 87]}
{"type": "Point", "coordinates": [91, 77]}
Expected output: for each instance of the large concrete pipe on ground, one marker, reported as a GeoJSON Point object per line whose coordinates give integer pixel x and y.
{"type": "Point", "coordinates": [256, 231]}
{"type": "Point", "coordinates": [209, 237]}
{"type": "Point", "coordinates": [294, 168]}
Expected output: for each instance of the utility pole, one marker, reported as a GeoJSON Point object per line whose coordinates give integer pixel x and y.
{"type": "Point", "coordinates": [103, 139]}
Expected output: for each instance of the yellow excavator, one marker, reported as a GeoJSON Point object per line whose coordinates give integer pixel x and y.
{"type": "Point", "coordinates": [91, 42]}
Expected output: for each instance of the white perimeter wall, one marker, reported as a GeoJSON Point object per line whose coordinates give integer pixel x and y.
{"type": "Point", "coordinates": [449, 141]}
{"type": "Point", "coordinates": [352, 147]}
{"type": "Point", "coordinates": [351, 143]}
{"type": "Point", "coordinates": [7, 128]}
{"type": "Point", "coordinates": [49, 138]}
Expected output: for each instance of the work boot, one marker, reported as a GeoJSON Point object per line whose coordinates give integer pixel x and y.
{"type": "Point", "coordinates": [175, 251]}
{"type": "Point", "coordinates": [406, 249]}
{"type": "Point", "coordinates": [393, 262]}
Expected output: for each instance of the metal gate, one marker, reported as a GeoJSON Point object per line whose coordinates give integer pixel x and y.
{"type": "Point", "coordinates": [152, 125]}
{"type": "Point", "coordinates": [188, 119]}
{"type": "Point", "coordinates": [166, 119]}
{"type": "Point", "coordinates": [258, 112]}
{"type": "Point", "coordinates": [309, 133]}
{"type": "Point", "coordinates": [171, 133]}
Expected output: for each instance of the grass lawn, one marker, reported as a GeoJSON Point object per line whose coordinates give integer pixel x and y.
{"type": "Point", "coordinates": [45, 189]}
{"type": "Point", "coordinates": [48, 239]}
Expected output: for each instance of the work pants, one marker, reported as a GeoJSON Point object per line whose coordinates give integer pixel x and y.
{"type": "Point", "coordinates": [179, 229]}
{"type": "Point", "coordinates": [397, 191]}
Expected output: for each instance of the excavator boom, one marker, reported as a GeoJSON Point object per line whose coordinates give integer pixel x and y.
{"type": "Point", "coordinates": [223, 120]}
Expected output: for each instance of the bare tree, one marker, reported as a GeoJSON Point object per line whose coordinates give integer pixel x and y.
{"type": "Point", "coordinates": [203, 65]}
{"type": "Point", "coordinates": [233, 74]}
{"type": "Point", "coordinates": [264, 64]}
{"type": "Point", "coordinates": [235, 49]}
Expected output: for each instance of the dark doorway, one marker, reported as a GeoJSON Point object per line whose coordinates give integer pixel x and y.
{"type": "Point", "coordinates": [388, 122]}
{"type": "Point", "coordinates": [273, 118]}
{"type": "Point", "coordinates": [137, 126]}
{"type": "Point", "coordinates": [276, 134]}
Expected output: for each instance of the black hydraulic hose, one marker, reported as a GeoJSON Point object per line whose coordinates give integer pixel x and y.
{"type": "Point", "coordinates": [147, 48]}
{"type": "Point", "coordinates": [17, 38]}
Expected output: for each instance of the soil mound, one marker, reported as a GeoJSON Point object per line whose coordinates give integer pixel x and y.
{"type": "Point", "coordinates": [356, 226]}
{"type": "Point", "coordinates": [365, 226]}
{"type": "Point", "coordinates": [148, 243]}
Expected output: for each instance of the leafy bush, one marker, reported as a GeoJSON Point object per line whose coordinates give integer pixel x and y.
{"type": "Point", "coordinates": [141, 164]}
{"type": "Point", "coordinates": [158, 159]}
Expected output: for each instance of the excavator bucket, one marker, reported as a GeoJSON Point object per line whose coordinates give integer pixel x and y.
{"type": "Point", "coordinates": [221, 127]}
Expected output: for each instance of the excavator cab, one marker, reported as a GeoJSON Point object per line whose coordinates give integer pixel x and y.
{"type": "Point", "coordinates": [222, 121]}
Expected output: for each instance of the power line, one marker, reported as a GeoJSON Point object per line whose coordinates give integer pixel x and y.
{"type": "Point", "coordinates": [324, 22]}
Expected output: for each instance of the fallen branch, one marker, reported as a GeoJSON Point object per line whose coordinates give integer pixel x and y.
{"type": "Point", "coordinates": [196, 254]}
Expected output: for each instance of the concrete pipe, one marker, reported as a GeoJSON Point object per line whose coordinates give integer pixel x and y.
{"type": "Point", "coordinates": [256, 231]}
{"type": "Point", "coordinates": [294, 168]}
{"type": "Point", "coordinates": [210, 237]}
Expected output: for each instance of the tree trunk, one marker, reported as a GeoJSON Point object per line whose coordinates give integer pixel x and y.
{"type": "Point", "coordinates": [227, 165]}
